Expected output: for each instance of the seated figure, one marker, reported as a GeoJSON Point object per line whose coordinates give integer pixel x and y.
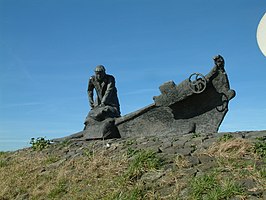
{"type": "Point", "coordinates": [106, 104]}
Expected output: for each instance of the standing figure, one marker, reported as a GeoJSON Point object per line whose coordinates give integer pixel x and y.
{"type": "Point", "coordinates": [106, 104]}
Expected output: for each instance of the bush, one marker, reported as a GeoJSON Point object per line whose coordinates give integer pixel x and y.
{"type": "Point", "coordinates": [39, 143]}
{"type": "Point", "coordinates": [226, 137]}
{"type": "Point", "coordinates": [260, 147]}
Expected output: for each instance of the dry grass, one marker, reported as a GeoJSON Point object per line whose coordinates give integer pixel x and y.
{"type": "Point", "coordinates": [237, 158]}
{"type": "Point", "coordinates": [235, 148]}
{"type": "Point", "coordinates": [33, 175]}
{"type": "Point", "coordinates": [94, 175]}
{"type": "Point", "coordinates": [181, 162]}
{"type": "Point", "coordinates": [100, 173]}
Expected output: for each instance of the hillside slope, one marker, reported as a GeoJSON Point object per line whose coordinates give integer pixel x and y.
{"type": "Point", "coordinates": [193, 166]}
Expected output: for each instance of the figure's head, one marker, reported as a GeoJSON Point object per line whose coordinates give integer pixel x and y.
{"type": "Point", "coordinates": [99, 72]}
{"type": "Point", "coordinates": [219, 61]}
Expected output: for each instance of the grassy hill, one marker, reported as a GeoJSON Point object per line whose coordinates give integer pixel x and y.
{"type": "Point", "coordinates": [194, 166]}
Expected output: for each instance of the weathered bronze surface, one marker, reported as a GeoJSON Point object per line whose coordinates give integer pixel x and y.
{"type": "Point", "coordinates": [196, 105]}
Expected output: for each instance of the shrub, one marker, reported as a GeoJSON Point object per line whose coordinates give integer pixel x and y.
{"type": "Point", "coordinates": [39, 143]}
{"type": "Point", "coordinates": [3, 163]}
{"type": "Point", "coordinates": [3, 153]}
{"type": "Point", "coordinates": [260, 147]}
{"type": "Point", "coordinates": [226, 137]}
{"type": "Point", "coordinates": [195, 135]}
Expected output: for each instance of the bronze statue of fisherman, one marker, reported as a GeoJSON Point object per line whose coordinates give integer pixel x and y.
{"type": "Point", "coordinates": [105, 104]}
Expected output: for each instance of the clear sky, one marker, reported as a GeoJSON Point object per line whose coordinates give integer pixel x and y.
{"type": "Point", "coordinates": [49, 48]}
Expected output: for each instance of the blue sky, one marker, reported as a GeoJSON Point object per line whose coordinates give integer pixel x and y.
{"type": "Point", "coordinates": [49, 48]}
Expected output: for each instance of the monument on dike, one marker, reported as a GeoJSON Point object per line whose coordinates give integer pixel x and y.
{"type": "Point", "coordinates": [196, 105]}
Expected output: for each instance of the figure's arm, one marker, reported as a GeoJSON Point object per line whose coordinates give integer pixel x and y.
{"type": "Point", "coordinates": [90, 92]}
{"type": "Point", "coordinates": [109, 89]}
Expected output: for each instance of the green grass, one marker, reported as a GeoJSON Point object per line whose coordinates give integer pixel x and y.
{"type": "Point", "coordinates": [3, 163]}
{"type": "Point", "coordinates": [130, 142]}
{"type": "Point", "coordinates": [128, 173]}
{"type": "Point", "coordinates": [131, 151]}
{"type": "Point", "coordinates": [88, 153]}
{"type": "Point", "coordinates": [65, 143]}
{"type": "Point", "coordinates": [51, 159]}
{"type": "Point", "coordinates": [262, 173]}
{"type": "Point", "coordinates": [142, 162]}
{"type": "Point", "coordinates": [210, 187]}
{"type": "Point", "coordinates": [59, 190]}
{"type": "Point", "coordinates": [3, 160]}
{"type": "Point", "coordinates": [137, 192]}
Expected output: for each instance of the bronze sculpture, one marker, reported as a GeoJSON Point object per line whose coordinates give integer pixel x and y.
{"type": "Point", "coordinates": [106, 104]}
{"type": "Point", "coordinates": [196, 105]}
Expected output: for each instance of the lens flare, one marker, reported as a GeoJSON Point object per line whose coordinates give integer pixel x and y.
{"type": "Point", "coordinates": [261, 35]}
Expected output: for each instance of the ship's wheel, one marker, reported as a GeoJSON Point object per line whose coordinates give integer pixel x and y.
{"type": "Point", "coordinates": [197, 83]}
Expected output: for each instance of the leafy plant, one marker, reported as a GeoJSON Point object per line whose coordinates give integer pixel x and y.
{"type": "Point", "coordinates": [88, 153]}
{"type": "Point", "coordinates": [2, 153]}
{"type": "Point", "coordinates": [39, 143]}
{"type": "Point", "coordinates": [195, 135]}
{"type": "Point", "coordinates": [226, 137]}
{"type": "Point", "coordinates": [260, 147]}
{"type": "Point", "coordinates": [3, 160]}
{"type": "Point", "coordinates": [3, 163]}
{"type": "Point", "coordinates": [130, 142]}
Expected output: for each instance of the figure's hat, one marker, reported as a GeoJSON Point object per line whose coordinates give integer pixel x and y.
{"type": "Point", "coordinates": [99, 68]}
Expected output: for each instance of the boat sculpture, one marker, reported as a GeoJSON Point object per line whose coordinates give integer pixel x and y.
{"type": "Point", "coordinates": [196, 105]}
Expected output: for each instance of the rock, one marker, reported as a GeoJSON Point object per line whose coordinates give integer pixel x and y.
{"type": "Point", "coordinates": [151, 176]}
{"type": "Point", "coordinates": [205, 167]}
{"type": "Point", "coordinates": [165, 191]}
{"type": "Point", "coordinates": [192, 161]}
{"type": "Point", "coordinates": [174, 177]}
{"type": "Point", "coordinates": [251, 187]}
{"type": "Point", "coordinates": [179, 143]}
{"type": "Point", "coordinates": [205, 159]}
{"type": "Point", "coordinates": [184, 151]}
